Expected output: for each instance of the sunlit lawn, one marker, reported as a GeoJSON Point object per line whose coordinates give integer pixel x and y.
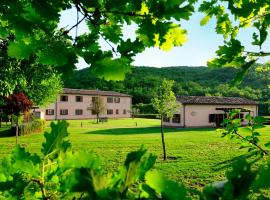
{"type": "Point", "coordinates": [197, 156]}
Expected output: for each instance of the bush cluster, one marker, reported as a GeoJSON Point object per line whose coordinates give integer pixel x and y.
{"type": "Point", "coordinates": [35, 126]}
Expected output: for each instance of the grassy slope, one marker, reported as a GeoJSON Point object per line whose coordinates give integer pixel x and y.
{"type": "Point", "coordinates": [200, 155]}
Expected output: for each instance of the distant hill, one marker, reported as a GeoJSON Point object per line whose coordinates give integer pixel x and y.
{"type": "Point", "coordinates": [142, 83]}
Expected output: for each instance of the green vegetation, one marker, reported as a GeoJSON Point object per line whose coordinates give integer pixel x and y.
{"type": "Point", "coordinates": [34, 126]}
{"type": "Point", "coordinates": [196, 156]}
{"type": "Point", "coordinates": [143, 83]}
{"type": "Point", "coordinates": [29, 36]}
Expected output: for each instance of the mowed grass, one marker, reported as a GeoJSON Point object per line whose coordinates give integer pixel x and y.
{"type": "Point", "coordinates": [196, 156]}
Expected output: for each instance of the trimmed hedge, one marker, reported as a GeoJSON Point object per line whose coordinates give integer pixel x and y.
{"type": "Point", "coordinates": [148, 116]}
{"type": "Point", "coordinates": [36, 126]}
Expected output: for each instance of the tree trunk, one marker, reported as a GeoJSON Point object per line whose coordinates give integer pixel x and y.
{"type": "Point", "coordinates": [97, 118]}
{"type": "Point", "coordinates": [162, 139]}
{"type": "Point", "coordinates": [17, 131]}
{"type": "Point", "coordinates": [0, 122]}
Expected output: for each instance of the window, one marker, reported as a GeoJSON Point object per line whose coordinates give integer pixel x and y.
{"type": "Point", "coordinates": [63, 111]}
{"type": "Point", "coordinates": [49, 111]}
{"type": "Point", "coordinates": [109, 100]}
{"type": "Point", "coordinates": [239, 116]}
{"type": "Point", "coordinates": [212, 118]}
{"type": "Point", "coordinates": [93, 112]}
{"type": "Point", "coordinates": [166, 119]}
{"type": "Point", "coordinates": [124, 111]}
{"type": "Point", "coordinates": [176, 118]}
{"type": "Point", "coordinates": [63, 98]}
{"type": "Point", "coordinates": [78, 112]}
{"type": "Point", "coordinates": [117, 111]}
{"type": "Point", "coordinates": [79, 99]}
{"type": "Point", "coordinates": [117, 100]}
{"type": "Point", "coordinates": [110, 111]}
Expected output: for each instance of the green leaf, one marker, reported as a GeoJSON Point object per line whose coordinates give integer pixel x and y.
{"type": "Point", "coordinates": [262, 181]}
{"type": "Point", "coordinates": [205, 20]}
{"type": "Point", "coordinates": [267, 144]}
{"type": "Point", "coordinates": [21, 49]}
{"type": "Point", "coordinates": [55, 141]}
{"type": "Point", "coordinates": [25, 162]}
{"type": "Point", "coordinates": [108, 29]}
{"type": "Point", "coordinates": [166, 188]}
{"type": "Point", "coordinates": [55, 53]}
{"type": "Point", "coordinates": [240, 177]}
{"type": "Point", "coordinates": [260, 120]}
{"type": "Point", "coordinates": [111, 69]}
{"type": "Point", "coordinates": [135, 156]}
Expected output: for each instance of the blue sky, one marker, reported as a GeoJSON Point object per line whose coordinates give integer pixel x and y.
{"type": "Point", "coordinates": [200, 47]}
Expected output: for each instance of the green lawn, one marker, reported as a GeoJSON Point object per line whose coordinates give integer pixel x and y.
{"type": "Point", "coordinates": [198, 156]}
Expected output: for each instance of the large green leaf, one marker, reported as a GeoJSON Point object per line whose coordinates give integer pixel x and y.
{"type": "Point", "coordinates": [164, 187]}
{"type": "Point", "coordinates": [56, 139]}
{"type": "Point", "coordinates": [111, 69]}
{"type": "Point", "coordinates": [21, 49]}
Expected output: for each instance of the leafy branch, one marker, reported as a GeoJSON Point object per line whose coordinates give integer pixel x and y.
{"type": "Point", "coordinates": [232, 126]}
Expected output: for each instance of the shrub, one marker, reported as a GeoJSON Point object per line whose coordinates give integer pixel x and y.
{"type": "Point", "coordinates": [36, 126]}
{"type": "Point", "coordinates": [148, 116]}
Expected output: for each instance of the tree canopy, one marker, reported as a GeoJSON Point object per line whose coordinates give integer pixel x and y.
{"type": "Point", "coordinates": [33, 26]}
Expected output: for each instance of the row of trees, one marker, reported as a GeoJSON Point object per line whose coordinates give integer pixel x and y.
{"type": "Point", "coordinates": [143, 82]}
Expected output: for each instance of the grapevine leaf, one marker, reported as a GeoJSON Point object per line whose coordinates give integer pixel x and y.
{"type": "Point", "coordinates": [54, 54]}
{"type": "Point", "coordinates": [111, 69]}
{"type": "Point", "coordinates": [107, 30]}
{"type": "Point", "coordinates": [260, 120]}
{"type": "Point", "coordinates": [25, 162]}
{"type": "Point", "coordinates": [240, 177]}
{"type": "Point", "coordinates": [56, 139]}
{"type": "Point", "coordinates": [267, 145]}
{"type": "Point", "coordinates": [205, 20]}
{"type": "Point", "coordinates": [262, 182]}
{"type": "Point", "coordinates": [20, 49]}
{"type": "Point", "coordinates": [164, 187]}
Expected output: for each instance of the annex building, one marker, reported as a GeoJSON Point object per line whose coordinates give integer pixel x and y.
{"type": "Point", "coordinates": [203, 111]}
{"type": "Point", "coordinates": [75, 104]}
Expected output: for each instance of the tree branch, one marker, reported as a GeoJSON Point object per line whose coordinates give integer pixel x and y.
{"type": "Point", "coordinates": [75, 25]}
{"type": "Point", "coordinates": [41, 185]}
{"type": "Point", "coordinates": [253, 143]}
{"type": "Point", "coordinates": [260, 53]}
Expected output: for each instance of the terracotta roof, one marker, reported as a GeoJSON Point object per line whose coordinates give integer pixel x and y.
{"type": "Point", "coordinates": [215, 100]}
{"type": "Point", "coordinates": [93, 92]}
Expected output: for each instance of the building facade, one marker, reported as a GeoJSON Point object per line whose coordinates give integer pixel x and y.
{"type": "Point", "coordinates": [201, 111]}
{"type": "Point", "coordinates": [76, 104]}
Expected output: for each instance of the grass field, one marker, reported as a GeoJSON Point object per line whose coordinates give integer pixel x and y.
{"type": "Point", "coordinates": [198, 156]}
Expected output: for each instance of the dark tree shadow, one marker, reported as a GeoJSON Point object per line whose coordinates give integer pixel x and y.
{"type": "Point", "coordinates": [6, 133]}
{"type": "Point", "coordinates": [228, 163]}
{"type": "Point", "coordinates": [143, 130]}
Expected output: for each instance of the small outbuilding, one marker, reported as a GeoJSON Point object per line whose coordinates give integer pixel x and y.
{"type": "Point", "coordinates": [205, 111]}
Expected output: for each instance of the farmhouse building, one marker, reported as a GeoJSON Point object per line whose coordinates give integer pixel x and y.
{"type": "Point", "coordinates": [76, 104]}
{"type": "Point", "coordinates": [202, 111]}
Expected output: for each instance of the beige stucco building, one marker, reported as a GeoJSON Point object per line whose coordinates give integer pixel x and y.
{"type": "Point", "coordinates": [76, 104]}
{"type": "Point", "coordinates": [201, 111]}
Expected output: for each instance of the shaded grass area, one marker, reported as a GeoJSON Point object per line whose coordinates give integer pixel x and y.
{"type": "Point", "coordinates": [198, 156]}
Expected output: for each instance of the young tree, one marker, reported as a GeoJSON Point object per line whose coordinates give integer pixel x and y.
{"type": "Point", "coordinates": [97, 107]}
{"type": "Point", "coordinates": [165, 104]}
{"type": "Point", "coordinates": [16, 104]}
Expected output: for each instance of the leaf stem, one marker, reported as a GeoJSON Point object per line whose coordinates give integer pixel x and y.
{"type": "Point", "coordinates": [256, 145]}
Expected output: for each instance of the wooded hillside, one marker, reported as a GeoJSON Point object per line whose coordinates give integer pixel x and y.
{"type": "Point", "coordinates": [142, 83]}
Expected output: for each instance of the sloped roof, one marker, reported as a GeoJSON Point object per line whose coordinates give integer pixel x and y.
{"type": "Point", "coordinates": [93, 92]}
{"type": "Point", "coordinates": [215, 100]}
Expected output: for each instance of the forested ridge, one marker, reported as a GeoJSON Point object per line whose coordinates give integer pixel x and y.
{"type": "Point", "coordinates": [142, 83]}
